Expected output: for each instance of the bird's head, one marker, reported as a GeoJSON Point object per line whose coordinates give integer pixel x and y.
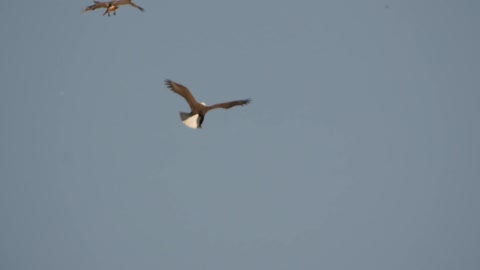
{"type": "Point", "coordinates": [203, 103]}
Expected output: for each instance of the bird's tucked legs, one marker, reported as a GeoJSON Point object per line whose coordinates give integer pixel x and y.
{"type": "Point", "coordinates": [200, 121]}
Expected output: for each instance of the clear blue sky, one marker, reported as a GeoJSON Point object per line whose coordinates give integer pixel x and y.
{"type": "Point", "coordinates": [360, 149]}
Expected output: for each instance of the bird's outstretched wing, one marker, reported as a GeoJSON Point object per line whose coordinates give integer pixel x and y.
{"type": "Point", "coordinates": [96, 5]}
{"type": "Point", "coordinates": [127, 2]}
{"type": "Point", "coordinates": [134, 5]}
{"type": "Point", "coordinates": [182, 91]}
{"type": "Point", "coordinates": [228, 105]}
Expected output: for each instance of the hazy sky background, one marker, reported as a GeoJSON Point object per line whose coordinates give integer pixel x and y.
{"type": "Point", "coordinates": [360, 149]}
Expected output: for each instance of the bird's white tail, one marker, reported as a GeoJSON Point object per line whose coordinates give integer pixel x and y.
{"type": "Point", "coordinates": [189, 121]}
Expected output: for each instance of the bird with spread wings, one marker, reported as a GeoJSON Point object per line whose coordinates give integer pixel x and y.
{"type": "Point", "coordinates": [201, 108]}
{"type": "Point", "coordinates": [111, 6]}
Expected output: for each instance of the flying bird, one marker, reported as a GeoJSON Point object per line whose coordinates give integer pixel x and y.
{"type": "Point", "coordinates": [111, 6]}
{"type": "Point", "coordinates": [195, 118]}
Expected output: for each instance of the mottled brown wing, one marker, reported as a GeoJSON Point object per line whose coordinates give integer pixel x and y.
{"type": "Point", "coordinates": [182, 91]}
{"type": "Point", "coordinates": [228, 105]}
{"type": "Point", "coordinates": [127, 2]}
{"type": "Point", "coordinates": [96, 5]}
{"type": "Point", "coordinates": [134, 5]}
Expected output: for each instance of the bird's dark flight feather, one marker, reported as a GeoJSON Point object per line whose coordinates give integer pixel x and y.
{"type": "Point", "coordinates": [182, 91]}
{"type": "Point", "coordinates": [228, 105]}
